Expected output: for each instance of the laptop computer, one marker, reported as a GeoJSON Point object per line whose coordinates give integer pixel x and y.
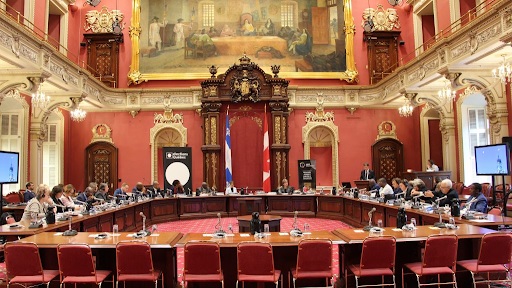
{"type": "Point", "coordinates": [346, 184]}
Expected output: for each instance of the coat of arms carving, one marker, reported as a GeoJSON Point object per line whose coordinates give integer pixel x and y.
{"type": "Point", "coordinates": [245, 86]}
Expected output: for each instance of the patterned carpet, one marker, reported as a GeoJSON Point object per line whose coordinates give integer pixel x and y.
{"type": "Point", "coordinates": [208, 226]}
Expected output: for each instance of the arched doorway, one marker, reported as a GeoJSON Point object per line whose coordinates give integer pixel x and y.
{"type": "Point", "coordinates": [164, 135]}
{"type": "Point", "coordinates": [431, 144]}
{"type": "Point", "coordinates": [101, 162]}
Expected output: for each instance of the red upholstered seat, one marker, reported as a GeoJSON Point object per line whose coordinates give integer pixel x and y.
{"type": "Point", "coordinates": [135, 263]}
{"type": "Point", "coordinates": [256, 263]}
{"type": "Point", "coordinates": [23, 265]}
{"type": "Point", "coordinates": [377, 259]}
{"type": "Point", "coordinates": [76, 265]}
{"type": "Point", "coordinates": [314, 260]}
{"type": "Point", "coordinates": [202, 263]}
{"type": "Point", "coordinates": [440, 257]}
{"type": "Point", "coordinates": [494, 257]}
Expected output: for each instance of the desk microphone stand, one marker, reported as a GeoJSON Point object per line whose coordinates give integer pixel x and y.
{"type": "Point", "coordinates": [69, 232]}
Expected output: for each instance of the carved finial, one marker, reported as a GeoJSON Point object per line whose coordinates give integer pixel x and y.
{"type": "Point", "coordinates": [275, 70]}
{"type": "Point", "coordinates": [245, 59]}
{"type": "Point", "coordinates": [213, 70]}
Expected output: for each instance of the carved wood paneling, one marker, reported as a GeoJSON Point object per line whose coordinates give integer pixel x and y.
{"type": "Point", "coordinates": [382, 53]}
{"type": "Point", "coordinates": [103, 57]}
{"type": "Point", "coordinates": [101, 164]}
{"type": "Point", "coordinates": [387, 158]}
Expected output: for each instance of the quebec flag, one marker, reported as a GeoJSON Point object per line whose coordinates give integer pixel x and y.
{"type": "Point", "coordinates": [227, 153]}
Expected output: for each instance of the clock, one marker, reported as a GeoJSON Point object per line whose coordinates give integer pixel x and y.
{"type": "Point", "coordinates": [305, 15]}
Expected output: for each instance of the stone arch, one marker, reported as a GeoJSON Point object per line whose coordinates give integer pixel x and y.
{"type": "Point", "coordinates": [426, 114]}
{"type": "Point", "coordinates": [333, 129]}
{"type": "Point", "coordinates": [155, 132]}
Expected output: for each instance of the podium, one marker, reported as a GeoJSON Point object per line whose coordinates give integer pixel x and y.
{"type": "Point", "coordinates": [362, 184]}
{"type": "Point", "coordinates": [247, 205]}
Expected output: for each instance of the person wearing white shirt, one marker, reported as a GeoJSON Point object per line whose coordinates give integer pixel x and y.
{"type": "Point", "coordinates": [231, 189]}
{"type": "Point", "coordinates": [385, 189]}
{"type": "Point", "coordinates": [431, 166]}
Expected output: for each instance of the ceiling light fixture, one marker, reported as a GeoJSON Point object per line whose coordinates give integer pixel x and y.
{"type": "Point", "coordinates": [406, 109]}
{"type": "Point", "coordinates": [503, 72]}
{"type": "Point", "coordinates": [39, 99]}
{"type": "Point", "coordinates": [78, 115]}
{"type": "Point", "coordinates": [395, 2]}
{"type": "Point", "coordinates": [446, 93]}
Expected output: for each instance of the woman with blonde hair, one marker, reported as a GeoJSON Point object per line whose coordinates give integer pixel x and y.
{"type": "Point", "coordinates": [66, 198]}
{"type": "Point", "coordinates": [39, 204]}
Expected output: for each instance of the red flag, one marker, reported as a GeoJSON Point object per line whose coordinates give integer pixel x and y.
{"type": "Point", "coordinates": [266, 155]}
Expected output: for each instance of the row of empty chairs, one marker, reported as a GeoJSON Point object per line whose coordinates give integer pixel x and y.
{"type": "Point", "coordinates": [439, 257]}
{"type": "Point", "coordinates": [77, 266]}
{"type": "Point", "coordinates": [255, 262]}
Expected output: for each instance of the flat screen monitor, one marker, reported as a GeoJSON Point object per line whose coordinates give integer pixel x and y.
{"type": "Point", "coordinates": [9, 167]}
{"type": "Point", "coordinates": [492, 159]}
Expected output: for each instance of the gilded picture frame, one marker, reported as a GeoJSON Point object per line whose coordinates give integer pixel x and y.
{"type": "Point", "coordinates": [146, 66]}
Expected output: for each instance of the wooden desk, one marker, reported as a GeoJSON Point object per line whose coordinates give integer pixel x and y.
{"type": "Point", "coordinates": [16, 210]}
{"type": "Point", "coordinates": [164, 256]}
{"type": "Point", "coordinates": [273, 221]}
{"type": "Point", "coordinates": [286, 205]}
{"type": "Point", "coordinates": [284, 249]}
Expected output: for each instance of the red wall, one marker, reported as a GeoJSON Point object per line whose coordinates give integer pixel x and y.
{"type": "Point", "coordinates": [443, 14]}
{"type": "Point", "coordinates": [435, 142]}
{"type": "Point", "coordinates": [54, 30]}
{"type": "Point", "coordinates": [323, 157]}
{"type": "Point", "coordinates": [15, 5]}
{"type": "Point", "coordinates": [428, 28]}
{"type": "Point", "coordinates": [131, 137]}
{"type": "Point", "coordinates": [465, 6]}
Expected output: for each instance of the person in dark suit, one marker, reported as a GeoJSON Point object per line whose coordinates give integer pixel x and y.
{"type": "Point", "coordinates": [204, 189]}
{"type": "Point", "coordinates": [366, 173]}
{"type": "Point", "coordinates": [155, 190]}
{"type": "Point", "coordinates": [480, 202]}
{"type": "Point", "coordinates": [446, 190]}
{"type": "Point", "coordinates": [55, 194]}
{"type": "Point", "coordinates": [285, 188]}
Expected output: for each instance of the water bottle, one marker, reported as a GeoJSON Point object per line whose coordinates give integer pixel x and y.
{"type": "Point", "coordinates": [455, 209]}
{"type": "Point", "coordinates": [401, 218]}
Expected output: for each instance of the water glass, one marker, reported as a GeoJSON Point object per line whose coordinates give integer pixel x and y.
{"type": "Point", "coordinates": [306, 227]}
{"type": "Point", "coordinates": [115, 229]}
{"type": "Point", "coordinates": [266, 229]}
{"type": "Point", "coordinates": [446, 208]}
{"type": "Point", "coordinates": [413, 222]}
{"type": "Point", "coordinates": [154, 228]}
{"type": "Point", "coordinates": [451, 221]}
{"type": "Point", "coordinates": [379, 223]}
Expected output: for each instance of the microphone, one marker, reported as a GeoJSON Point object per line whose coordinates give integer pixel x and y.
{"type": "Point", "coordinates": [219, 233]}
{"type": "Point", "coordinates": [442, 198]}
{"type": "Point", "coordinates": [99, 199]}
{"type": "Point", "coordinates": [296, 231]}
{"type": "Point", "coordinates": [440, 223]}
{"type": "Point", "coordinates": [370, 214]}
{"type": "Point", "coordinates": [401, 193]}
{"type": "Point", "coordinates": [143, 232]}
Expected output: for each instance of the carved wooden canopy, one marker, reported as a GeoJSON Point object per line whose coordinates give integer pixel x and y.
{"type": "Point", "coordinates": [244, 82]}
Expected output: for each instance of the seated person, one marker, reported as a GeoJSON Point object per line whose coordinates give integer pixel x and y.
{"type": "Point", "coordinates": [446, 190]}
{"type": "Point", "coordinates": [138, 188]}
{"type": "Point", "coordinates": [91, 201]}
{"type": "Point", "coordinates": [55, 195]}
{"type": "Point", "coordinates": [67, 197]}
{"type": "Point", "coordinates": [204, 189]}
{"type": "Point", "coordinates": [227, 31]}
{"type": "Point", "coordinates": [303, 45]}
{"type": "Point", "coordinates": [405, 187]}
{"type": "Point", "coordinates": [38, 205]}
{"type": "Point", "coordinates": [285, 188]}
{"type": "Point", "coordinates": [213, 32]}
{"type": "Point", "coordinates": [177, 188]}
{"type": "Point", "coordinates": [102, 192]}
{"type": "Point", "coordinates": [247, 28]}
{"type": "Point", "coordinates": [82, 197]}
{"type": "Point", "coordinates": [418, 189]}
{"type": "Point", "coordinates": [373, 185]}
{"type": "Point", "coordinates": [29, 192]}
{"type": "Point", "coordinates": [121, 193]}
{"type": "Point", "coordinates": [268, 29]}
{"type": "Point", "coordinates": [231, 189]}
{"type": "Point", "coordinates": [431, 166]}
{"type": "Point", "coordinates": [207, 43]}
{"type": "Point", "coordinates": [385, 190]}
{"type": "Point", "coordinates": [478, 198]}
{"type": "Point", "coordinates": [395, 183]}
{"type": "Point", "coordinates": [155, 190]}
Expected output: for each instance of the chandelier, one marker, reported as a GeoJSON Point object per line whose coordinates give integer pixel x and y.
{"type": "Point", "coordinates": [503, 72]}
{"type": "Point", "coordinates": [406, 109]}
{"type": "Point", "coordinates": [78, 115]}
{"type": "Point", "coordinates": [446, 93]}
{"type": "Point", "coordinates": [39, 99]}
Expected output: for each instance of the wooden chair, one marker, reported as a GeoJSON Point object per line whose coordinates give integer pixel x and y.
{"type": "Point", "coordinates": [202, 263]}
{"type": "Point", "coordinates": [24, 266]}
{"type": "Point", "coordinates": [256, 263]}
{"type": "Point", "coordinates": [135, 263]}
{"type": "Point", "coordinates": [440, 257]}
{"type": "Point", "coordinates": [494, 257]}
{"type": "Point", "coordinates": [314, 260]}
{"type": "Point", "coordinates": [12, 197]}
{"type": "Point", "coordinates": [377, 260]}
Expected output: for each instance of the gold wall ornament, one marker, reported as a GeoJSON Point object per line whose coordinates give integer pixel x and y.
{"type": "Point", "coordinates": [387, 129]}
{"type": "Point", "coordinates": [101, 132]}
{"type": "Point", "coordinates": [384, 20]}
{"type": "Point", "coordinates": [168, 117]}
{"type": "Point", "coordinates": [320, 115]}
{"type": "Point", "coordinates": [350, 75]}
{"type": "Point", "coordinates": [101, 21]}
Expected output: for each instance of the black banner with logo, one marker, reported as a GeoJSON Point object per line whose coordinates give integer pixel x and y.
{"type": "Point", "coordinates": [307, 174]}
{"type": "Point", "coordinates": [178, 166]}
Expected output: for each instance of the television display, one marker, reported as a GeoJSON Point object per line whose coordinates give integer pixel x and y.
{"type": "Point", "coordinates": [9, 164]}
{"type": "Point", "coordinates": [492, 159]}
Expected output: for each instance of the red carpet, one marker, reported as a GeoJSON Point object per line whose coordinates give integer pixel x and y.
{"type": "Point", "coordinates": [208, 226]}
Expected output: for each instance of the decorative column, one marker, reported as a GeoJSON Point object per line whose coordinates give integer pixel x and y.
{"type": "Point", "coordinates": [447, 127]}
{"type": "Point", "coordinates": [279, 147]}
{"type": "Point", "coordinates": [211, 147]}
